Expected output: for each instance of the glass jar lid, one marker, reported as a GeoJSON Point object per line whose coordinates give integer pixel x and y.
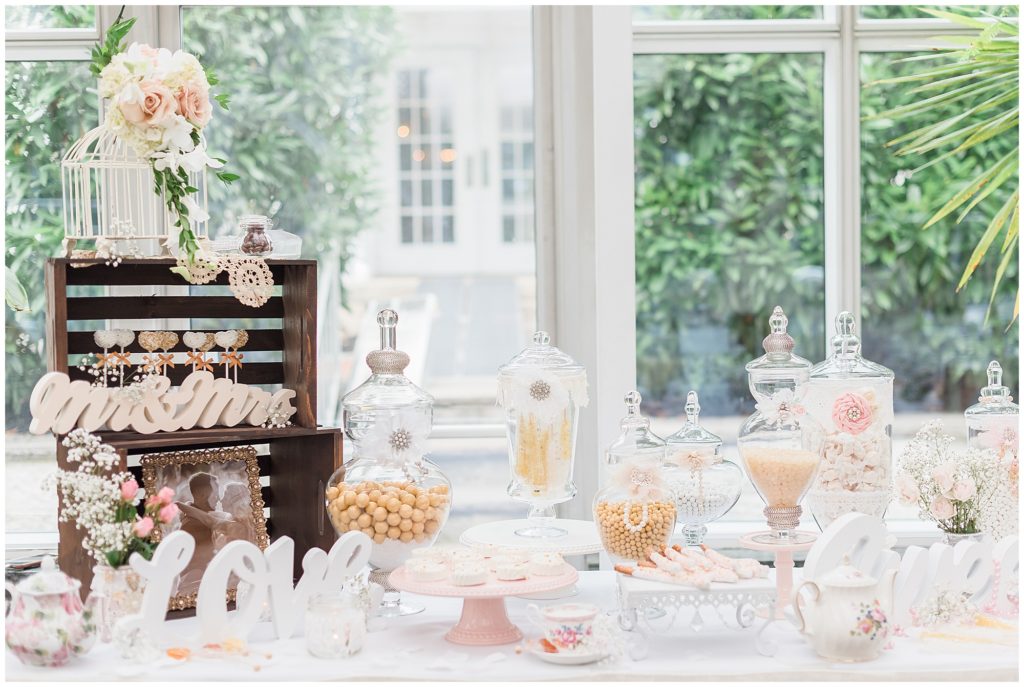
{"type": "Point", "coordinates": [255, 222]}
{"type": "Point", "coordinates": [779, 362]}
{"type": "Point", "coordinates": [636, 436]}
{"type": "Point", "coordinates": [691, 433]}
{"type": "Point", "coordinates": [995, 399]}
{"type": "Point", "coordinates": [541, 354]}
{"type": "Point", "coordinates": [387, 387]}
{"type": "Point", "coordinates": [845, 360]}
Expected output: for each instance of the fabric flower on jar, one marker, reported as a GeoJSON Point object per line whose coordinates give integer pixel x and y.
{"type": "Point", "coordinates": [780, 404]}
{"type": "Point", "coordinates": [402, 435]}
{"type": "Point", "coordinates": [541, 394]}
{"type": "Point", "coordinates": [853, 413]}
{"type": "Point", "coordinates": [640, 478]}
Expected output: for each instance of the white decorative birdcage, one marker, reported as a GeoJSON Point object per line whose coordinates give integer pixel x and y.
{"type": "Point", "coordinates": [110, 195]}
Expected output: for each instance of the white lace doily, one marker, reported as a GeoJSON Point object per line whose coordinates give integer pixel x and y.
{"type": "Point", "coordinates": [202, 271]}
{"type": "Point", "coordinates": [250, 279]}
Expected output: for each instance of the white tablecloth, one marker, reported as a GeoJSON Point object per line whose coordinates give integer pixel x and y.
{"type": "Point", "coordinates": [414, 648]}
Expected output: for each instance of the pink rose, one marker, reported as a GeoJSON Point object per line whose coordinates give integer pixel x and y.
{"type": "Point", "coordinates": [941, 508]}
{"type": "Point", "coordinates": [945, 477]}
{"type": "Point", "coordinates": [168, 513]}
{"type": "Point", "coordinates": [866, 626]}
{"type": "Point", "coordinates": [964, 490]}
{"type": "Point", "coordinates": [128, 490]}
{"type": "Point", "coordinates": [194, 104]}
{"type": "Point", "coordinates": [852, 413]}
{"type": "Point", "coordinates": [907, 489]}
{"type": "Point", "coordinates": [143, 527]}
{"type": "Point", "coordinates": [165, 495]}
{"type": "Point", "coordinates": [155, 104]}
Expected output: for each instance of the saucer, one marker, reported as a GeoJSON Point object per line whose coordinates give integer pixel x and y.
{"type": "Point", "coordinates": [565, 659]}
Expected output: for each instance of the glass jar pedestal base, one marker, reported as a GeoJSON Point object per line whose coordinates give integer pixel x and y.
{"type": "Point", "coordinates": [392, 605]}
{"type": "Point", "coordinates": [783, 553]}
{"type": "Point", "coordinates": [540, 524]}
{"type": "Point", "coordinates": [783, 521]}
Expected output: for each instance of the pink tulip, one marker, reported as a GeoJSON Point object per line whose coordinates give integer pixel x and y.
{"type": "Point", "coordinates": [165, 495]}
{"type": "Point", "coordinates": [168, 513]}
{"type": "Point", "coordinates": [128, 490]}
{"type": "Point", "coordinates": [143, 527]}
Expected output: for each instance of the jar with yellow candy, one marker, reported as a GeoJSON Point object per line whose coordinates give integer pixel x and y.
{"type": "Point", "coordinates": [541, 390]}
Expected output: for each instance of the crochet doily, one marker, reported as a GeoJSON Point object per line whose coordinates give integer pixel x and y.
{"type": "Point", "coordinates": [202, 271]}
{"type": "Point", "coordinates": [251, 280]}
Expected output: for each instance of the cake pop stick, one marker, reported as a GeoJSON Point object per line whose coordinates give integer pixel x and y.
{"type": "Point", "coordinates": [243, 338]}
{"type": "Point", "coordinates": [197, 356]}
{"type": "Point", "coordinates": [150, 342]}
{"type": "Point", "coordinates": [124, 337]}
{"type": "Point", "coordinates": [168, 340]}
{"type": "Point", "coordinates": [227, 339]}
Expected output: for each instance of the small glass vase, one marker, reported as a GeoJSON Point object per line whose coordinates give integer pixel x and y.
{"type": "Point", "coordinates": [120, 591]}
{"type": "Point", "coordinates": [954, 538]}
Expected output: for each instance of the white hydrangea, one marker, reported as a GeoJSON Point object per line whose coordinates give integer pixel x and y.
{"type": "Point", "coordinates": [113, 79]}
{"type": "Point", "coordinates": [144, 142]}
{"type": "Point", "coordinates": [183, 68]}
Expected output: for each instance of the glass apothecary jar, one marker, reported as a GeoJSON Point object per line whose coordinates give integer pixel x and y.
{"type": "Point", "coordinates": [992, 421]}
{"type": "Point", "coordinates": [389, 490]}
{"type": "Point", "coordinates": [780, 444]}
{"type": "Point", "coordinates": [851, 398]}
{"type": "Point", "coordinates": [541, 390]}
{"type": "Point", "coordinates": [634, 511]}
{"type": "Point", "coordinates": [255, 235]}
{"type": "Point", "coordinates": [704, 485]}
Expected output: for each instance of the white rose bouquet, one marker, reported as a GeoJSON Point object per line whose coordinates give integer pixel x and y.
{"type": "Point", "coordinates": [159, 103]}
{"type": "Point", "coordinates": [960, 490]}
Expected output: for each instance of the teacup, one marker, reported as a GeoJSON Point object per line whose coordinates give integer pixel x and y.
{"type": "Point", "coordinates": [569, 627]}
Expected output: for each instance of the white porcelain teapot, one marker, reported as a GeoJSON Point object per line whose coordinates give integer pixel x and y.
{"type": "Point", "coordinates": [848, 618]}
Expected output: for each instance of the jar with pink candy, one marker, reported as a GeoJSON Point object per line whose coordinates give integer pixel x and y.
{"type": "Point", "coordinates": [851, 398]}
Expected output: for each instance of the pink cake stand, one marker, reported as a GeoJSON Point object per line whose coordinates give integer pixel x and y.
{"type": "Point", "coordinates": [783, 564]}
{"type": "Point", "coordinates": [484, 619]}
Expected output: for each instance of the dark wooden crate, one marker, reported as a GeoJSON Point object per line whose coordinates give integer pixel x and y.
{"type": "Point", "coordinates": [299, 459]}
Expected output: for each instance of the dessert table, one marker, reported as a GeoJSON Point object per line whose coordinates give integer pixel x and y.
{"type": "Point", "coordinates": [414, 648]}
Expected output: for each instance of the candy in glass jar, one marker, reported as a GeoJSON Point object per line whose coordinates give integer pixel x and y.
{"type": "Point", "coordinates": [704, 485]}
{"type": "Point", "coordinates": [541, 390]}
{"type": "Point", "coordinates": [389, 490]}
{"type": "Point", "coordinates": [634, 511]}
{"type": "Point", "coordinates": [255, 239]}
{"type": "Point", "coordinates": [780, 444]}
{"type": "Point", "coordinates": [851, 399]}
{"type": "Point", "coordinates": [992, 425]}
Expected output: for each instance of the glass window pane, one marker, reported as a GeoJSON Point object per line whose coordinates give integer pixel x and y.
{"type": "Point", "coordinates": [729, 223]}
{"type": "Point", "coordinates": [427, 193]}
{"type": "Point", "coordinates": [28, 17]}
{"type": "Point", "coordinates": [508, 156]}
{"type": "Point", "coordinates": [915, 12]}
{"type": "Point", "coordinates": [935, 339]}
{"type": "Point", "coordinates": [508, 228]}
{"type": "Point", "coordinates": [695, 12]}
{"type": "Point", "coordinates": [528, 156]}
{"type": "Point", "coordinates": [471, 312]}
{"type": "Point", "coordinates": [406, 193]}
{"type": "Point", "coordinates": [50, 105]}
{"type": "Point", "coordinates": [508, 190]}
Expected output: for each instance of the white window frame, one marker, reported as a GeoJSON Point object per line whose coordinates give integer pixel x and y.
{"type": "Point", "coordinates": [586, 275]}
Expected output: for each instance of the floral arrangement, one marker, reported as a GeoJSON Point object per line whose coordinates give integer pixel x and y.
{"type": "Point", "coordinates": [959, 490]}
{"type": "Point", "coordinates": [159, 105]}
{"type": "Point", "coordinates": [102, 502]}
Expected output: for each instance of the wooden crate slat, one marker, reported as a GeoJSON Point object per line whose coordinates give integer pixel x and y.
{"type": "Point", "coordinates": [154, 307]}
{"type": "Point", "coordinates": [80, 343]}
{"type": "Point", "coordinates": [133, 442]}
{"type": "Point", "coordinates": [145, 275]}
{"type": "Point", "coordinates": [251, 373]}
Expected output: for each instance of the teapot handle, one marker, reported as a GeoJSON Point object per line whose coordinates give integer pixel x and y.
{"type": "Point", "coordinates": [796, 603]}
{"type": "Point", "coordinates": [14, 596]}
{"type": "Point", "coordinates": [534, 615]}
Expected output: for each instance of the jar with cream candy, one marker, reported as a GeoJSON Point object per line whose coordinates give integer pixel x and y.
{"type": "Point", "coordinates": [704, 485]}
{"type": "Point", "coordinates": [541, 390]}
{"type": "Point", "coordinates": [780, 444]}
{"type": "Point", "coordinates": [851, 398]}
{"type": "Point", "coordinates": [634, 512]}
{"type": "Point", "coordinates": [389, 490]}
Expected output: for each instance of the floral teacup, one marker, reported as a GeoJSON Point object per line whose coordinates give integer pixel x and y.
{"type": "Point", "coordinates": [568, 627]}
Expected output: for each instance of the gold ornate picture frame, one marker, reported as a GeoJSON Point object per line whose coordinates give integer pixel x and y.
{"type": "Point", "coordinates": [218, 494]}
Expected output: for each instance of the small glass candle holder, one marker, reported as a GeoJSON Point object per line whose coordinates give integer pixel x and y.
{"type": "Point", "coordinates": [335, 625]}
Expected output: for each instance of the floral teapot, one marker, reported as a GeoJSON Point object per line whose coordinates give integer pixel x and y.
{"type": "Point", "coordinates": [848, 619]}
{"type": "Point", "coordinates": [47, 623]}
